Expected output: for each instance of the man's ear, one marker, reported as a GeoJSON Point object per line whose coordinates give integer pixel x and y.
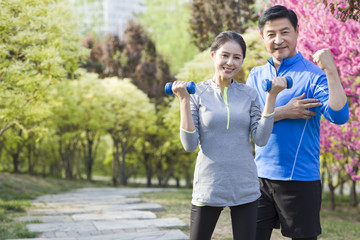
{"type": "Point", "coordinates": [262, 35]}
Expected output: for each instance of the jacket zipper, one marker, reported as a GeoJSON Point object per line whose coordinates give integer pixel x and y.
{"type": "Point", "coordinates": [227, 107]}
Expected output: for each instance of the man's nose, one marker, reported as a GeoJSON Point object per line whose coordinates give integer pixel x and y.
{"type": "Point", "coordinates": [278, 39]}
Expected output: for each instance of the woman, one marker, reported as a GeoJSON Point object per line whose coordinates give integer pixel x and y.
{"type": "Point", "coordinates": [220, 116]}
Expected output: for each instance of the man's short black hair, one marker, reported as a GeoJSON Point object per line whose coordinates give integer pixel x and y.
{"type": "Point", "coordinates": [276, 12]}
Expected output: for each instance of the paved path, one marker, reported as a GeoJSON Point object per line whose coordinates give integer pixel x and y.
{"type": "Point", "coordinates": [100, 214]}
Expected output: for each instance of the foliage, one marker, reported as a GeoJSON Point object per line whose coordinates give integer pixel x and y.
{"type": "Point", "coordinates": [209, 18]}
{"type": "Point", "coordinates": [133, 56]}
{"type": "Point", "coordinates": [39, 46]}
{"type": "Point", "coordinates": [167, 23]}
{"type": "Point", "coordinates": [132, 115]}
{"type": "Point", "coordinates": [79, 119]}
{"type": "Point", "coordinates": [201, 67]}
{"type": "Point", "coordinates": [348, 9]}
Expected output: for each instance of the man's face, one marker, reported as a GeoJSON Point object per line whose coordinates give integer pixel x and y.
{"type": "Point", "coordinates": [280, 38]}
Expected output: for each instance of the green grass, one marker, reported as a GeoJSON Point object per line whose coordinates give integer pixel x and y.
{"type": "Point", "coordinates": [16, 191]}
{"type": "Point", "coordinates": [341, 224]}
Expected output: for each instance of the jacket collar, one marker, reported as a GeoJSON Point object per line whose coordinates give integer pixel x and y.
{"type": "Point", "coordinates": [287, 61]}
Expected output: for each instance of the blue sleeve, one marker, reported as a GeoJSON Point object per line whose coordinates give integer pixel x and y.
{"type": "Point", "coordinates": [250, 80]}
{"type": "Point", "coordinates": [321, 92]}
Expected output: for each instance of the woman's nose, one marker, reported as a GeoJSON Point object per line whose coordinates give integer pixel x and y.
{"type": "Point", "coordinates": [229, 61]}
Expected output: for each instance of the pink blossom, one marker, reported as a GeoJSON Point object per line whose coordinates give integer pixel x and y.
{"type": "Point", "coordinates": [348, 168]}
{"type": "Point", "coordinates": [355, 178]}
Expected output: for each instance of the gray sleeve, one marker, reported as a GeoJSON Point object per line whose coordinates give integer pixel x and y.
{"type": "Point", "coordinates": [260, 126]}
{"type": "Point", "coordinates": [190, 140]}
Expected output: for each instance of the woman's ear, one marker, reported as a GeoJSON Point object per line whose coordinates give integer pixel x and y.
{"type": "Point", "coordinates": [212, 54]}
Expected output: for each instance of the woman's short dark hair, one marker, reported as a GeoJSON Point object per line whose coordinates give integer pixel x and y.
{"type": "Point", "coordinates": [225, 37]}
{"type": "Point", "coordinates": [276, 12]}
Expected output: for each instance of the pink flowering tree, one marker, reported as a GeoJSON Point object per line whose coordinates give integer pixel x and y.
{"type": "Point", "coordinates": [319, 28]}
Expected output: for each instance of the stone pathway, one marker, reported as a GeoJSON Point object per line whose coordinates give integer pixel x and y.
{"type": "Point", "coordinates": [100, 214]}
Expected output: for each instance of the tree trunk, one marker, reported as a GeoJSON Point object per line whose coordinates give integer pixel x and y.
{"type": "Point", "coordinates": [148, 166]}
{"type": "Point", "coordinates": [16, 155]}
{"type": "Point", "coordinates": [123, 167]}
{"type": "Point", "coordinates": [116, 163]}
{"type": "Point", "coordinates": [89, 159]}
{"type": "Point", "coordinates": [332, 196]}
{"type": "Point", "coordinates": [66, 157]}
{"type": "Point", "coordinates": [30, 158]}
{"type": "Point", "coordinates": [148, 177]}
{"type": "Point", "coordinates": [68, 166]}
{"type": "Point", "coordinates": [353, 194]}
{"type": "Point", "coordinates": [177, 182]}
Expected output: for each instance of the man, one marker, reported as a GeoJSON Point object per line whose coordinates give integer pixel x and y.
{"type": "Point", "coordinates": [288, 166]}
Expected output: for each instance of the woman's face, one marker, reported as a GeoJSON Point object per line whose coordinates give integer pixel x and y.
{"type": "Point", "coordinates": [228, 60]}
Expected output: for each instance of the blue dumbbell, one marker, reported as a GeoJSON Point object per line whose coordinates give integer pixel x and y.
{"type": "Point", "coordinates": [266, 83]}
{"type": "Point", "coordinates": [190, 86]}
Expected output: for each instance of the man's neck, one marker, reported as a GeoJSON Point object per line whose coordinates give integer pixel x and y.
{"type": "Point", "coordinates": [276, 64]}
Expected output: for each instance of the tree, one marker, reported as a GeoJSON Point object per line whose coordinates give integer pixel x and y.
{"type": "Point", "coordinates": [132, 56]}
{"type": "Point", "coordinates": [167, 22]}
{"type": "Point", "coordinates": [131, 116]}
{"type": "Point", "coordinates": [66, 119]}
{"type": "Point", "coordinates": [94, 121]}
{"type": "Point", "coordinates": [39, 46]}
{"type": "Point", "coordinates": [347, 9]}
{"type": "Point", "coordinates": [209, 18]}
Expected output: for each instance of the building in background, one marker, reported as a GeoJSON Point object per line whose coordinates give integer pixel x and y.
{"type": "Point", "coordinates": [107, 16]}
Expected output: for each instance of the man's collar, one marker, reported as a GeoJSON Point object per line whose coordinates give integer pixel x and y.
{"type": "Point", "coordinates": [287, 61]}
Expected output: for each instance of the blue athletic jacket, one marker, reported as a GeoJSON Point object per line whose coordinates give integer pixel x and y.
{"type": "Point", "coordinates": [292, 152]}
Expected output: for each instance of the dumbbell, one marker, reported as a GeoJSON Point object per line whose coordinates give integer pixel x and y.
{"type": "Point", "coordinates": [266, 83]}
{"type": "Point", "coordinates": [190, 86]}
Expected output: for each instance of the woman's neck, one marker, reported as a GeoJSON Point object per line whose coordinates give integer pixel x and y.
{"type": "Point", "coordinates": [222, 82]}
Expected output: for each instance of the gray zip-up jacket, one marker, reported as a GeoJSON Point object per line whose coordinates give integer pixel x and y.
{"type": "Point", "coordinates": [225, 171]}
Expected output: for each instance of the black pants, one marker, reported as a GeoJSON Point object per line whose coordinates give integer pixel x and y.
{"type": "Point", "coordinates": [243, 219]}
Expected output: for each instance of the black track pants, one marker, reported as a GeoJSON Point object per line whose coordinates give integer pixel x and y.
{"type": "Point", "coordinates": [243, 219]}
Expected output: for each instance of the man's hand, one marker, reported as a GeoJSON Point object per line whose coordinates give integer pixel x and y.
{"type": "Point", "coordinates": [324, 59]}
{"type": "Point", "coordinates": [297, 108]}
{"type": "Point", "coordinates": [337, 97]}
